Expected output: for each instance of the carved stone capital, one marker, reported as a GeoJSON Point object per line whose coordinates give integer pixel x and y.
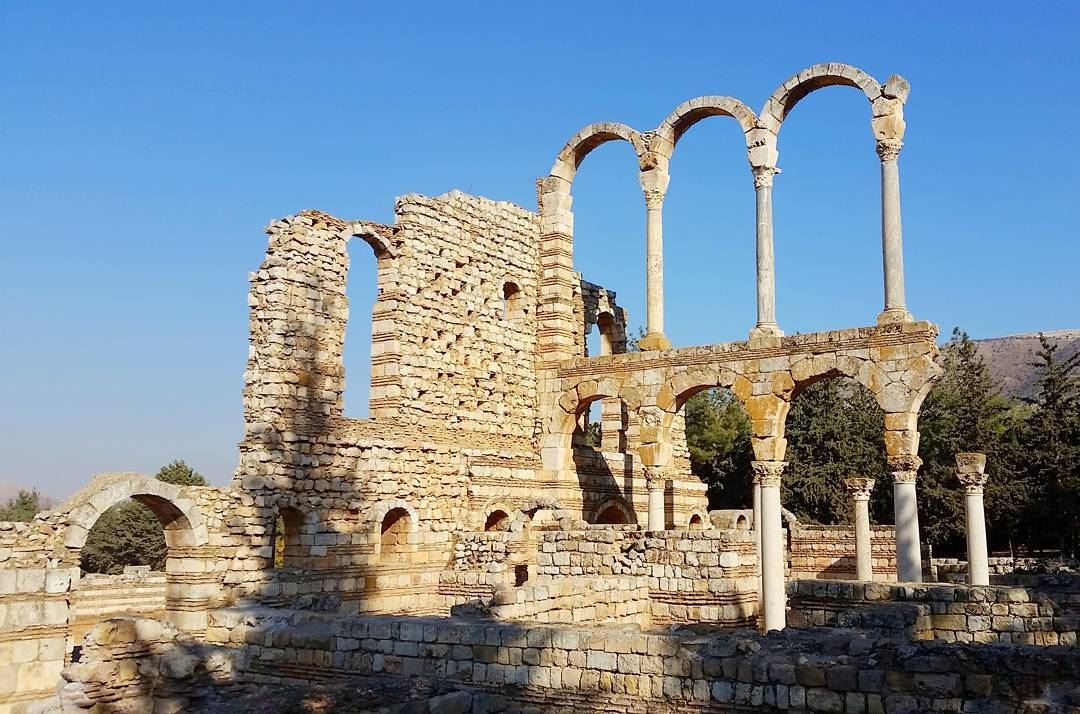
{"type": "Point", "coordinates": [971, 462]}
{"type": "Point", "coordinates": [654, 198]}
{"type": "Point", "coordinates": [763, 176]}
{"type": "Point", "coordinates": [904, 468]}
{"type": "Point", "coordinates": [656, 477]}
{"type": "Point", "coordinates": [768, 473]}
{"type": "Point", "coordinates": [859, 488]}
{"type": "Point", "coordinates": [889, 149]}
{"type": "Point", "coordinates": [972, 481]}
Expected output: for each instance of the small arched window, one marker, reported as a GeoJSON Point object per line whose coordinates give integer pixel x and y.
{"type": "Point", "coordinates": [696, 522]}
{"type": "Point", "coordinates": [497, 521]}
{"type": "Point", "coordinates": [513, 306]}
{"type": "Point", "coordinates": [394, 537]}
{"type": "Point", "coordinates": [286, 541]}
{"type": "Point", "coordinates": [612, 516]}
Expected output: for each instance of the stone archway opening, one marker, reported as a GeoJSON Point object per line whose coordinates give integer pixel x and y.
{"type": "Point", "coordinates": [497, 520]}
{"type": "Point", "coordinates": [612, 516]}
{"type": "Point", "coordinates": [287, 541]}
{"type": "Point", "coordinates": [136, 532]}
{"type": "Point", "coordinates": [835, 429]}
{"type": "Point", "coordinates": [717, 431]}
{"type": "Point", "coordinates": [394, 535]}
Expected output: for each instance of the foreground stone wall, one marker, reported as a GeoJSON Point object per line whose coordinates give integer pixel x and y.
{"type": "Point", "coordinates": [581, 668]}
{"type": "Point", "coordinates": [35, 608]}
{"type": "Point", "coordinates": [958, 613]}
{"type": "Point", "coordinates": [692, 576]}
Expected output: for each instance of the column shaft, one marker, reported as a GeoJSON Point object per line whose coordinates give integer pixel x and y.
{"type": "Point", "coordinates": [892, 249]}
{"type": "Point", "coordinates": [978, 563]}
{"type": "Point", "coordinates": [766, 263]}
{"type": "Point", "coordinates": [656, 508]}
{"type": "Point", "coordinates": [757, 539]}
{"type": "Point", "coordinates": [864, 566]}
{"type": "Point", "coordinates": [908, 548]}
{"type": "Point", "coordinates": [772, 558]}
{"type": "Point", "coordinates": [654, 268]}
{"type": "Point", "coordinates": [766, 270]}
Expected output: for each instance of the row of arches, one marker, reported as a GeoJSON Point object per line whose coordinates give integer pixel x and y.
{"type": "Point", "coordinates": [654, 150]}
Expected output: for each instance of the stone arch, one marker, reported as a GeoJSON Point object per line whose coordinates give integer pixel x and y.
{"type": "Point", "coordinates": [612, 511]}
{"type": "Point", "coordinates": [179, 516]}
{"type": "Point", "coordinates": [491, 509]}
{"type": "Point", "coordinates": [372, 234]}
{"type": "Point", "coordinates": [811, 79]}
{"type": "Point", "coordinates": [742, 523]}
{"type": "Point", "coordinates": [697, 521]}
{"type": "Point", "coordinates": [588, 139]}
{"type": "Point", "coordinates": [578, 397]}
{"type": "Point", "coordinates": [690, 112]}
{"type": "Point", "coordinates": [386, 514]}
{"type": "Point", "coordinates": [683, 385]}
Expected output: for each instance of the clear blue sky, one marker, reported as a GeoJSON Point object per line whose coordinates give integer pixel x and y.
{"type": "Point", "coordinates": [144, 146]}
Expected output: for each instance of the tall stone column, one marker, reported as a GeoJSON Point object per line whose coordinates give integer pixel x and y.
{"type": "Point", "coordinates": [656, 481]}
{"type": "Point", "coordinates": [766, 263]}
{"type": "Point", "coordinates": [860, 489]}
{"type": "Point", "coordinates": [970, 470]}
{"type": "Point", "coordinates": [892, 248]}
{"type": "Point", "coordinates": [654, 183]}
{"type": "Point", "coordinates": [757, 535]}
{"type": "Point", "coordinates": [774, 600]}
{"type": "Point", "coordinates": [905, 504]}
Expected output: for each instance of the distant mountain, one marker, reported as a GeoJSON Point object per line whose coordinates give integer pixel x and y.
{"type": "Point", "coordinates": [1009, 358]}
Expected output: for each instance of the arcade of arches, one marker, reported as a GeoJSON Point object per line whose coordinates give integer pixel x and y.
{"type": "Point", "coordinates": [466, 483]}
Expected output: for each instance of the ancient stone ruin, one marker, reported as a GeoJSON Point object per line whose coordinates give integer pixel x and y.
{"type": "Point", "coordinates": [468, 537]}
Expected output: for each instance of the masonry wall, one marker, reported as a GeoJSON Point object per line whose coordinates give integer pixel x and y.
{"type": "Point", "coordinates": [138, 591]}
{"type": "Point", "coordinates": [693, 576]}
{"type": "Point", "coordinates": [35, 608]}
{"type": "Point", "coordinates": [828, 552]}
{"type": "Point", "coordinates": [581, 668]}
{"type": "Point", "coordinates": [959, 613]}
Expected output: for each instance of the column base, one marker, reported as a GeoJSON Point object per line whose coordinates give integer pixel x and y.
{"type": "Point", "coordinates": [654, 341]}
{"type": "Point", "coordinates": [765, 332]}
{"type": "Point", "coordinates": [894, 315]}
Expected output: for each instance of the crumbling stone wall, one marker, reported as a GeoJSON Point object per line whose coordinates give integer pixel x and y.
{"type": "Point", "coordinates": [960, 613]}
{"type": "Point", "coordinates": [606, 668]}
{"type": "Point", "coordinates": [693, 576]}
{"type": "Point", "coordinates": [35, 608]}
{"type": "Point", "coordinates": [611, 599]}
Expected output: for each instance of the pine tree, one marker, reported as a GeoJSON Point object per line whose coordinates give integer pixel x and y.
{"type": "Point", "coordinates": [718, 438]}
{"type": "Point", "coordinates": [966, 412]}
{"type": "Point", "coordinates": [835, 430]}
{"type": "Point", "coordinates": [1051, 445]}
{"type": "Point", "coordinates": [23, 507]}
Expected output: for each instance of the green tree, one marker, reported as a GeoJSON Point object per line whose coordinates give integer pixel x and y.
{"type": "Point", "coordinates": [966, 412]}
{"type": "Point", "coordinates": [23, 507]}
{"type": "Point", "coordinates": [130, 534]}
{"type": "Point", "coordinates": [835, 430]}
{"type": "Point", "coordinates": [718, 437]}
{"type": "Point", "coordinates": [1051, 446]}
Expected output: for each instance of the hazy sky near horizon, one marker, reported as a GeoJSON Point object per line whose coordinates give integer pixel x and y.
{"type": "Point", "coordinates": [144, 146]}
